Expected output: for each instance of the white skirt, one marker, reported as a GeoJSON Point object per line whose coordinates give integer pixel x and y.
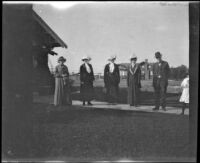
{"type": "Point", "coordinates": [185, 95]}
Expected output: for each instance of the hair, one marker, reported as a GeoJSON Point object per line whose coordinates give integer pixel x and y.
{"type": "Point", "coordinates": [133, 59]}
{"type": "Point", "coordinates": [186, 74]}
{"type": "Point", "coordinates": [159, 55]}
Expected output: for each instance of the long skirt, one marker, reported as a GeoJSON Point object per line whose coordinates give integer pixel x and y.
{"type": "Point", "coordinates": [112, 92]}
{"type": "Point", "coordinates": [62, 94]}
{"type": "Point", "coordinates": [87, 91]}
{"type": "Point", "coordinates": [133, 94]}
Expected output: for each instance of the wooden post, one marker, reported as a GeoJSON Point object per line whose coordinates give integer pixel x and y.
{"type": "Point", "coordinates": [194, 67]}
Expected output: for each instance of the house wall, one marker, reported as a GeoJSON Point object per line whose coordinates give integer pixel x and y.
{"type": "Point", "coordinates": [17, 78]}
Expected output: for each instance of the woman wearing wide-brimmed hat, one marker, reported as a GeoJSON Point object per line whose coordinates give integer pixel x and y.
{"type": "Point", "coordinates": [111, 80]}
{"type": "Point", "coordinates": [133, 81]}
{"type": "Point", "coordinates": [86, 78]}
{"type": "Point", "coordinates": [62, 94]}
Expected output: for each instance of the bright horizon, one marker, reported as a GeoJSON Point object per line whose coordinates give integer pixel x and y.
{"type": "Point", "coordinates": [102, 29]}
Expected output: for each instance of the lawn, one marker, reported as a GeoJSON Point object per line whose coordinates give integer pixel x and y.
{"type": "Point", "coordinates": [75, 134]}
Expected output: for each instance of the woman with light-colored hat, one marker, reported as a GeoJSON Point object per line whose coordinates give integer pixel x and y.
{"type": "Point", "coordinates": [111, 80]}
{"type": "Point", "coordinates": [86, 78]}
{"type": "Point", "coordinates": [62, 94]}
{"type": "Point", "coordinates": [133, 81]}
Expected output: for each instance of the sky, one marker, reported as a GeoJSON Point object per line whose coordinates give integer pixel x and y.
{"type": "Point", "coordinates": [102, 29]}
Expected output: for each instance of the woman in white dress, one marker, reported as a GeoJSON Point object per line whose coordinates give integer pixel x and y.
{"type": "Point", "coordinates": [185, 93]}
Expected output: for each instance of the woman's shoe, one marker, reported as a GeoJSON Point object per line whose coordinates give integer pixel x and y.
{"type": "Point", "coordinates": [89, 103]}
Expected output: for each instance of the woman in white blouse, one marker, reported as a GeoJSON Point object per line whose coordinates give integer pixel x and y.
{"type": "Point", "coordinates": [86, 78]}
{"type": "Point", "coordinates": [111, 80]}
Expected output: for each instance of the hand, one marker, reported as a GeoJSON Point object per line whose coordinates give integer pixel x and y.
{"type": "Point", "coordinates": [64, 75]}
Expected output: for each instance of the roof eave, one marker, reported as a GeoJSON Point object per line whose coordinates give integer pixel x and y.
{"type": "Point", "coordinates": [49, 30]}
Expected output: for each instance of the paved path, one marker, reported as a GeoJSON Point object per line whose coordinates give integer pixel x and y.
{"type": "Point", "coordinates": [103, 105]}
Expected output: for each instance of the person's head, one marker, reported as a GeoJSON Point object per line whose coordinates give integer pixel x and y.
{"type": "Point", "coordinates": [112, 59]}
{"type": "Point", "coordinates": [187, 74]}
{"type": "Point", "coordinates": [158, 56]}
{"type": "Point", "coordinates": [133, 59]}
{"type": "Point", "coordinates": [86, 59]}
{"type": "Point", "coordinates": [61, 60]}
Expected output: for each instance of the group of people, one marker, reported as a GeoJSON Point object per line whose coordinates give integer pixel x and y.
{"type": "Point", "coordinates": [161, 73]}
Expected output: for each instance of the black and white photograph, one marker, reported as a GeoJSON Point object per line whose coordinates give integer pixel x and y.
{"type": "Point", "coordinates": [100, 81]}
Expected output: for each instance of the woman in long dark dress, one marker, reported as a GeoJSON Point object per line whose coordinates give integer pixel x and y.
{"type": "Point", "coordinates": [86, 78]}
{"type": "Point", "coordinates": [133, 81]}
{"type": "Point", "coordinates": [111, 80]}
{"type": "Point", "coordinates": [62, 94]}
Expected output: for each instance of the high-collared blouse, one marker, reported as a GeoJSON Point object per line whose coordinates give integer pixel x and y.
{"type": "Point", "coordinates": [111, 67]}
{"type": "Point", "coordinates": [87, 68]}
{"type": "Point", "coordinates": [61, 71]}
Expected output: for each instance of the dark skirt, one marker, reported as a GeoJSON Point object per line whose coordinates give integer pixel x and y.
{"type": "Point", "coordinates": [62, 94]}
{"type": "Point", "coordinates": [112, 93]}
{"type": "Point", "coordinates": [133, 94]}
{"type": "Point", "coordinates": [87, 91]}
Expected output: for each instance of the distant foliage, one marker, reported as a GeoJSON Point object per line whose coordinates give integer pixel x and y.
{"type": "Point", "coordinates": [178, 73]}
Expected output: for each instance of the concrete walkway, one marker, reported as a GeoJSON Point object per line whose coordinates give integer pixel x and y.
{"type": "Point", "coordinates": [103, 105]}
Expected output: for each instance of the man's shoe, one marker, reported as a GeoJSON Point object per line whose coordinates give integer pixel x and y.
{"type": "Point", "coordinates": [83, 103]}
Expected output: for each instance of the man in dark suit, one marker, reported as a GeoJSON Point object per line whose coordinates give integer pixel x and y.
{"type": "Point", "coordinates": [111, 80]}
{"type": "Point", "coordinates": [86, 78]}
{"type": "Point", "coordinates": [161, 72]}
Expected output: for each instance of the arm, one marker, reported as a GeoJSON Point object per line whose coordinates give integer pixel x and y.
{"type": "Point", "coordinates": [153, 69]}
{"type": "Point", "coordinates": [65, 72]}
{"type": "Point", "coordinates": [81, 73]}
{"type": "Point", "coordinates": [128, 76]}
{"type": "Point", "coordinates": [118, 74]}
{"type": "Point", "coordinates": [105, 75]}
{"type": "Point", "coordinates": [139, 76]}
{"type": "Point", "coordinates": [92, 72]}
{"type": "Point", "coordinates": [167, 70]}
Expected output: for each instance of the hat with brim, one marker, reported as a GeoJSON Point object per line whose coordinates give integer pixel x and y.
{"type": "Point", "coordinates": [112, 58]}
{"type": "Point", "coordinates": [158, 55]}
{"type": "Point", "coordinates": [89, 58]}
{"type": "Point", "coordinates": [133, 56]}
{"type": "Point", "coordinates": [86, 58]}
{"type": "Point", "coordinates": [61, 59]}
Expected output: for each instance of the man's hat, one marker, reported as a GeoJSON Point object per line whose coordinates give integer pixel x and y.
{"type": "Point", "coordinates": [111, 58]}
{"type": "Point", "coordinates": [158, 54]}
{"type": "Point", "coordinates": [61, 59]}
{"type": "Point", "coordinates": [133, 56]}
{"type": "Point", "coordinates": [86, 58]}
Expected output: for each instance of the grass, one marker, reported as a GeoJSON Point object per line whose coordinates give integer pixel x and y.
{"type": "Point", "coordinates": [101, 134]}
{"type": "Point", "coordinates": [75, 134]}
